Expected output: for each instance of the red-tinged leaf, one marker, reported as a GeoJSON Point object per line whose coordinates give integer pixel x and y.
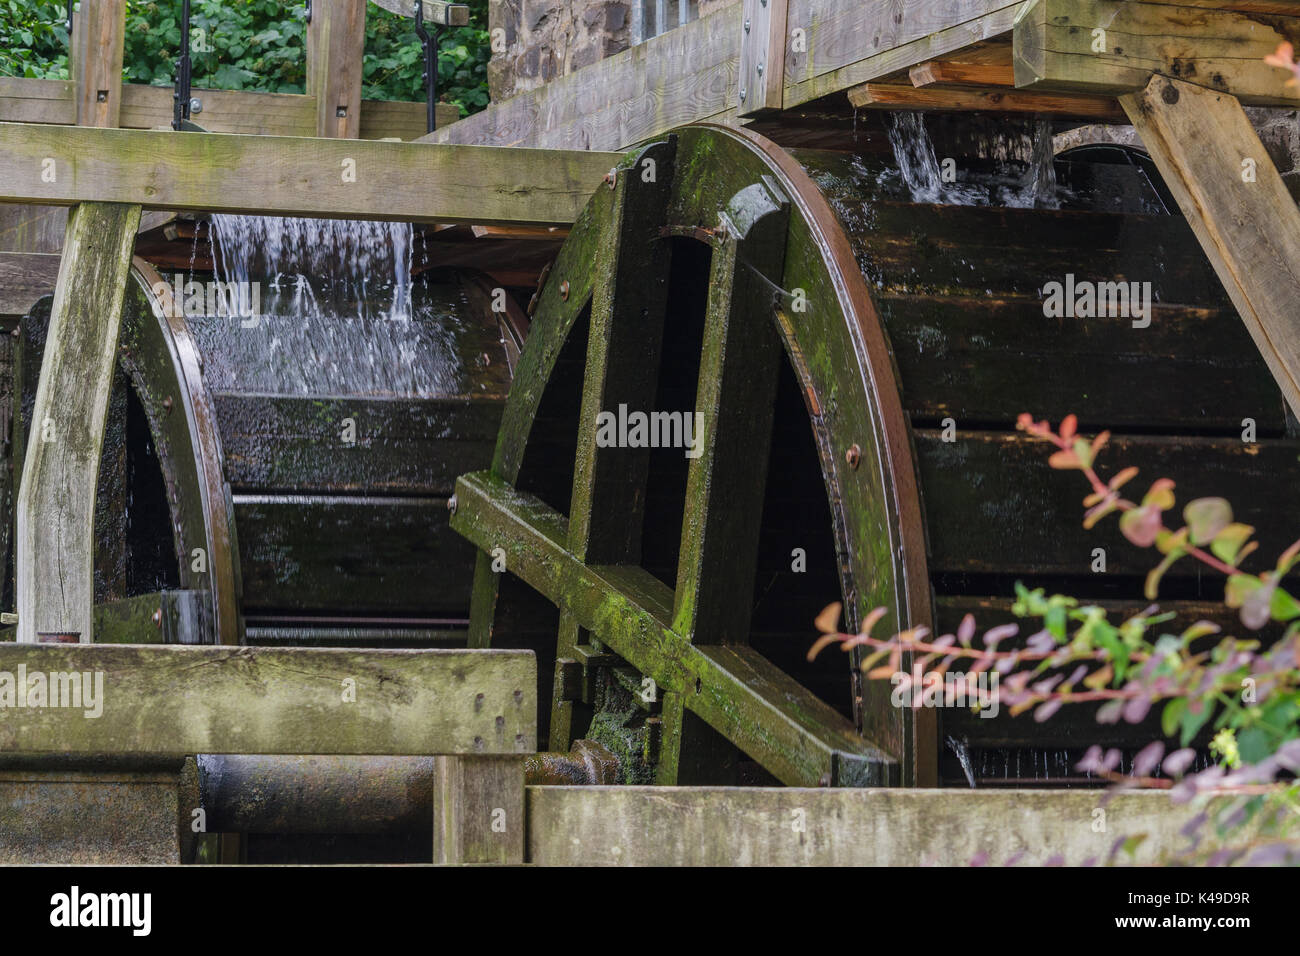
{"type": "Point", "coordinates": [1282, 58]}
{"type": "Point", "coordinates": [1096, 498]}
{"type": "Point", "coordinates": [1140, 526]}
{"type": "Point", "coordinates": [1288, 559]}
{"type": "Point", "coordinates": [823, 642]}
{"type": "Point", "coordinates": [1069, 427]}
{"type": "Point", "coordinates": [1099, 443]}
{"type": "Point", "coordinates": [1083, 451]}
{"type": "Point", "coordinates": [1063, 460]}
{"type": "Point", "coordinates": [828, 621]}
{"type": "Point", "coordinates": [1148, 759]}
{"type": "Point", "coordinates": [966, 630]}
{"type": "Point", "coordinates": [1240, 587]}
{"type": "Point", "coordinates": [1046, 710]}
{"type": "Point", "coordinates": [1123, 478]}
{"type": "Point", "coordinates": [882, 673]}
{"type": "Point", "coordinates": [1206, 517]}
{"type": "Point", "coordinates": [1152, 588]}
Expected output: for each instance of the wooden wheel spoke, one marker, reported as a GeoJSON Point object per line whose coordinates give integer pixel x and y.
{"type": "Point", "coordinates": [722, 517]}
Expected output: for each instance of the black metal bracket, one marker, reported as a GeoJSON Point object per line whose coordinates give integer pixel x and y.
{"type": "Point", "coordinates": [71, 4]}
{"type": "Point", "coordinates": [181, 96]}
{"type": "Point", "coordinates": [430, 42]}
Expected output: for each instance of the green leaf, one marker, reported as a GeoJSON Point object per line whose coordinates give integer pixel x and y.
{"type": "Point", "coordinates": [1193, 722]}
{"type": "Point", "coordinates": [1283, 607]}
{"type": "Point", "coordinates": [1152, 588]}
{"type": "Point", "coordinates": [1172, 715]}
{"type": "Point", "coordinates": [1228, 542]}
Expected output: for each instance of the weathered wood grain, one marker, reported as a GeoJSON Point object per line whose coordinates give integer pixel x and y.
{"type": "Point", "coordinates": [1115, 46]}
{"type": "Point", "coordinates": [55, 510]}
{"type": "Point", "coordinates": [177, 700]}
{"type": "Point", "coordinates": [435, 11]}
{"type": "Point", "coordinates": [98, 33]}
{"type": "Point", "coordinates": [752, 826]}
{"type": "Point", "coordinates": [1237, 204]}
{"type": "Point", "coordinates": [24, 278]}
{"type": "Point", "coordinates": [336, 40]}
{"type": "Point", "coordinates": [478, 809]}
{"type": "Point", "coordinates": [297, 176]}
{"type": "Point", "coordinates": [895, 96]}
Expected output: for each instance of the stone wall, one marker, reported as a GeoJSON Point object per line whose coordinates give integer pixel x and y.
{"type": "Point", "coordinates": [543, 39]}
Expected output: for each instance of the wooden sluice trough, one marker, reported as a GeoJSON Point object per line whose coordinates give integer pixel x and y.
{"type": "Point", "coordinates": [410, 638]}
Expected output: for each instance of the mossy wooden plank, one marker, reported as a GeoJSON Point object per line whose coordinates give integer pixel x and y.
{"type": "Point", "coordinates": [55, 510]}
{"type": "Point", "coordinates": [174, 700]}
{"type": "Point", "coordinates": [1115, 46]}
{"type": "Point", "coordinates": [95, 64]}
{"type": "Point", "coordinates": [360, 555]}
{"type": "Point", "coordinates": [799, 739]}
{"type": "Point", "coordinates": [760, 826]}
{"type": "Point", "coordinates": [292, 176]}
{"type": "Point", "coordinates": [993, 506]}
{"type": "Point", "coordinates": [399, 446]}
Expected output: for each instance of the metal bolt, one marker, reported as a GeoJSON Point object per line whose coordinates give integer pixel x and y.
{"type": "Point", "coordinates": [610, 178]}
{"type": "Point", "coordinates": [853, 456]}
{"type": "Point", "coordinates": [196, 105]}
{"type": "Point", "coordinates": [341, 111]}
{"type": "Point", "coordinates": [157, 618]}
{"type": "Point", "coordinates": [451, 504]}
{"type": "Point", "coordinates": [564, 291]}
{"type": "Point", "coordinates": [167, 403]}
{"type": "Point", "coordinates": [742, 94]}
{"type": "Point", "coordinates": [746, 25]}
{"type": "Point", "coordinates": [760, 69]}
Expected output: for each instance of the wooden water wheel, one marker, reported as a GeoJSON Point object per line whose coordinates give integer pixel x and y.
{"type": "Point", "coordinates": [859, 360]}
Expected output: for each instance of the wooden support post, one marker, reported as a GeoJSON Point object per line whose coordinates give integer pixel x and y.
{"type": "Point", "coordinates": [1247, 222]}
{"type": "Point", "coordinates": [762, 56]}
{"type": "Point", "coordinates": [98, 33]}
{"type": "Point", "coordinates": [56, 500]}
{"type": "Point", "coordinates": [336, 39]}
{"type": "Point", "coordinates": [478, 809]}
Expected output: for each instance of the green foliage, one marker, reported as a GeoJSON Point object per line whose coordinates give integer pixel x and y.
{"type": "Point", "coordinates": [253, 45]}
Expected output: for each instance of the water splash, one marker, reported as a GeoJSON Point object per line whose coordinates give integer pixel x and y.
{"type": "Point", "coordinates": [922, 174]}
{"type": "Point", "coordinates": [339, 312]}
{"type": "Point", "coordinates": [962, 752]}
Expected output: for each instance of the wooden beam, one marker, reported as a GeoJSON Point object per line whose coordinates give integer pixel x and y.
{"type": "Point", "coordinates": [435, 11]}
{"type": "Point", "coordinates": [24, 278]}
{"type": "Point", "coordinates": [897, 96]}
{"type": "Point", "coordinates": [24, 100]}
{"type": "Point", "coordinates": [949, 73]}
{"type": "Point", "coordinates": [98, 32]}
{"type": "Point", "coordinates": [762, 56]}
{"type": "Point", "coordinates": [1247, 222]}
{"type": "Point", "coordinates": [336, 40]}
{"type": "Point", "coordinates": [1115, 46]}
{"type": "Point", "coordinates": [290, 176]}
{"type": "Point", "coordinates": [56, 500]}
{"type": "Point", "coordinates": [478, 809]}
{"type": "Point", "coordinates": [187, 699]}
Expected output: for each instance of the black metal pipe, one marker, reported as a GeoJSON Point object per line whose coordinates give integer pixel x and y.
{"type": "Point", "coordinates": [181, 95]}
{"type": "Point", "coordinates": [430, 42]}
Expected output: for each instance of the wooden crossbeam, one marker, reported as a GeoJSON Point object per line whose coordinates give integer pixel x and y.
{"type": "Point", "coordinates": [435, 11]}
{"type": "Point", "coordinates": [291, 176]}
{"type": "Point", "coordinates": [1115, 46]}
{"type": "Point", "coordinates": [1246, 220]}
{"type": "Point", "coordinates": [801, 740]}
{"type": "Point", "coordinates": [949, 73]}
{"type": "Point", "coordinates": [336, 40]}
{"type": "Point", "coordinates": [898, 96]}
{"type": "Point", "coordinates": [187, 699]}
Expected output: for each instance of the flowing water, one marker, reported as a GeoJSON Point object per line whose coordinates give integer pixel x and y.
{"type": "Point", "coordinates": [337, 311]}
{"type": "Point", "coordinates": [930, 179]}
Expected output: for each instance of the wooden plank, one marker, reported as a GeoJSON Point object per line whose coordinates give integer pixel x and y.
{"type": "Point", "coordinates": [723, 511]}
{"type": "Point", "coordinates": [1115, 46]}
{"type": "Point", "coordinates": [978, 490]}
{"type": "Point", "coordinates": [759, 826]}
{"type": "Point", "coordinates": [275, 175]}
{"type": "Point", "coordinates": [954, 73]}
{"type": "Point", "coordinates": [98, 33]}
{"type": "Point", "coordinates": [762, 56]}
{"type": "Point", "coordinates": [478, 810]}
{"type": "Point", "coordinates": [1211, 158]}
{"type": "Point", "coordinates": [55, 510]}
{"type": "Point", "coordinates": [898, 96]}
{"type": "Point", "coordinates": [391, 119]}
{"type": "Point", "coordinates": [255, 700]}
{"type": "Point", "coordinates": [351, 555]}
{"type": "Point", "coordinates": [24, 278]}
{"type": "Point", "coordinates": [402, 446]}
{"type": "Point", "coordinates": [26, 100]}
{"type": "Point", "coordinates": [336, 40]}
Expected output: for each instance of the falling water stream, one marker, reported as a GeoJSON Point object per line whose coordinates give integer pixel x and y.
{"type": "Point", "coordinates": [337, 311]}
